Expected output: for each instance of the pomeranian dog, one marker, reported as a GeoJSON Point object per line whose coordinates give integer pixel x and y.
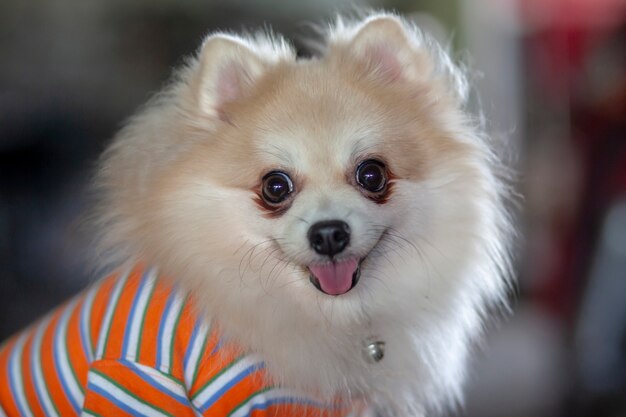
{"type": "Point", "coordinates": [320, 236]}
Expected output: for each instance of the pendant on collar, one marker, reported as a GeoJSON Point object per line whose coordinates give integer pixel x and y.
{"type": "Point", "coordinates": [374, 350]}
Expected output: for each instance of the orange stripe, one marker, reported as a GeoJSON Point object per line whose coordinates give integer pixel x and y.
{"type": "Point", "coordinates": [119, 323]}
{"type": "Point", "coordinates": [7, 400]}
{"type": "Point", "coordinates": [49, 371]}
{"type": "Point", "coordinates": [154, 315]}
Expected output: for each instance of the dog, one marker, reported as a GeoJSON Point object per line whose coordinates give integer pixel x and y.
{"type": "Point", "coordinates": [288, 236]}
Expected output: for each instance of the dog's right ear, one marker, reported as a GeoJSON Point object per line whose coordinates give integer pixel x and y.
{"type": "Point", "coordinates": [229, 66]}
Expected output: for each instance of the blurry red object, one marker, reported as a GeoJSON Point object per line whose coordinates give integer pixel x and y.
{"type": "Point", "coordinates": [573, 13]}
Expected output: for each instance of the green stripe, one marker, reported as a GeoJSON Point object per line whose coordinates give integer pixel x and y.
{"type": "Point", "coordinates": [131, 393]}
{"type": "Point", "coordinates": [143, 318]}
{"type": "Point", "coordinates": [244, 402]}
{"type": "Point", "coordinates": [209, 382]}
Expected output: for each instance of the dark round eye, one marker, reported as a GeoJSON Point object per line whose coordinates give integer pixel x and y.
{"type": "Point", "coordinates": [372, 175]}
{"type": "Point", "coordinates": [276, 187]}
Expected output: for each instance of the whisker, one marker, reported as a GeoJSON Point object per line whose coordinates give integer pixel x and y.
{"type": "Point", "coordinates": [248, 254]}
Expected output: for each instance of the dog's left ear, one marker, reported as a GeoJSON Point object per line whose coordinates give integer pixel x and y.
{"type": "Point", "coordinates": [385, 49]}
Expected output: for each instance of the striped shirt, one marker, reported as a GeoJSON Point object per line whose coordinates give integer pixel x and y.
{"type": "Point", "coordinates": [132, 345]}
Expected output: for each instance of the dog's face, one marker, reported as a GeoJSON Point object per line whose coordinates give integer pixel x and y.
{"type": "Point", "coordinates": [310, 205]}
{"type": "Point", "coordinates": [343, 185]}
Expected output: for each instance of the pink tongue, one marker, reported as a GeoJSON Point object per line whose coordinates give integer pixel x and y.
{"type": "Point", "coordinates": [335, 278]}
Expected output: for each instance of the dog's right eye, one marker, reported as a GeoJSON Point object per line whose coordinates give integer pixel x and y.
{"type": "Point", "coordinates": [276, 187]}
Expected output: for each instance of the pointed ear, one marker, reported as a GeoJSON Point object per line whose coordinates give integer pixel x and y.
{"type": "Point", "coordinates": [228, 68]}
{"type": "Point", "coordinates": [388, 49]}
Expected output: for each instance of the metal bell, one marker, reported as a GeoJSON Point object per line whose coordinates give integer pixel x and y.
{"type": "Point", "coordinates": [375, 351]}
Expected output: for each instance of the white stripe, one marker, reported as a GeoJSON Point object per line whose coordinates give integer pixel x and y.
{"type": "Point", "coordinates": [135, 324]}
{"type": "Point", "coordinates": [164, 381]}
{"type": "Point", "coordinates": [168, 332]}
{"type": "Point", "coordinates": [123, 397]}
{"type": "Point", "coordinates": [16, 374]}
{"type": "Point", "coordinates": [84, 413]}
{"type": "Point", "coordinates": [60, 345]}
{"type": "Point", "coordinates": [219, 383]}
{"type": "Point", "coordinates": [38, 377]}
{"type": "Point", "coordinates": [196, 354]}
{"type": "Point", "coordinates": [2, 413]}
{"type": "Point", "coordinates": [109, 314]}
{"type": "Point", "coordinates": [85, 319]}
{"type": "Point", "coordinates": [264, 397]}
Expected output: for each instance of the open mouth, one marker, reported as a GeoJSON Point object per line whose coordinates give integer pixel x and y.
{"type": "Point", "coordinates": [336, 277]}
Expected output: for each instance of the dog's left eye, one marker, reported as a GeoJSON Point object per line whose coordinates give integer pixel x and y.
{"type": "Point", "coordinates": [372, 175]}
{"type": "Point", "coordinates": [276, 187]}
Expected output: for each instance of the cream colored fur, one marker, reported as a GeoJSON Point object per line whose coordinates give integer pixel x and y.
{"type": "Point", "coordinates": [178, 190]}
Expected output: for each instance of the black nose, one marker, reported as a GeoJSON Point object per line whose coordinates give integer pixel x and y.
{"type": "Point", "coordinates": [329, 237]}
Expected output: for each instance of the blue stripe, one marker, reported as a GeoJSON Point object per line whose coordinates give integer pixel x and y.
{"type": "Point", "coordinates": [57, 368]}
{"type": "Point", "coordinates": [168, 306]}
{"type": "Point", "coordinates": [133, 309]}
{"type": "Point", "coordinates": [12, 386]}
{"type": "Point", "coordinates": [155, 383]}
{"type": "Point", "coordinates": [249, 370]}
{"type": "Point", "coordinates": [194, 335]}
{"type": "Point", "coordinates": [114, 400]}
{"type": "Point", "coordinates": [217, 347]}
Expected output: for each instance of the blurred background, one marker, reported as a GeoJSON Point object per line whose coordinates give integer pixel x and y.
{"type": "Point", "coordinates": [551, 75]}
